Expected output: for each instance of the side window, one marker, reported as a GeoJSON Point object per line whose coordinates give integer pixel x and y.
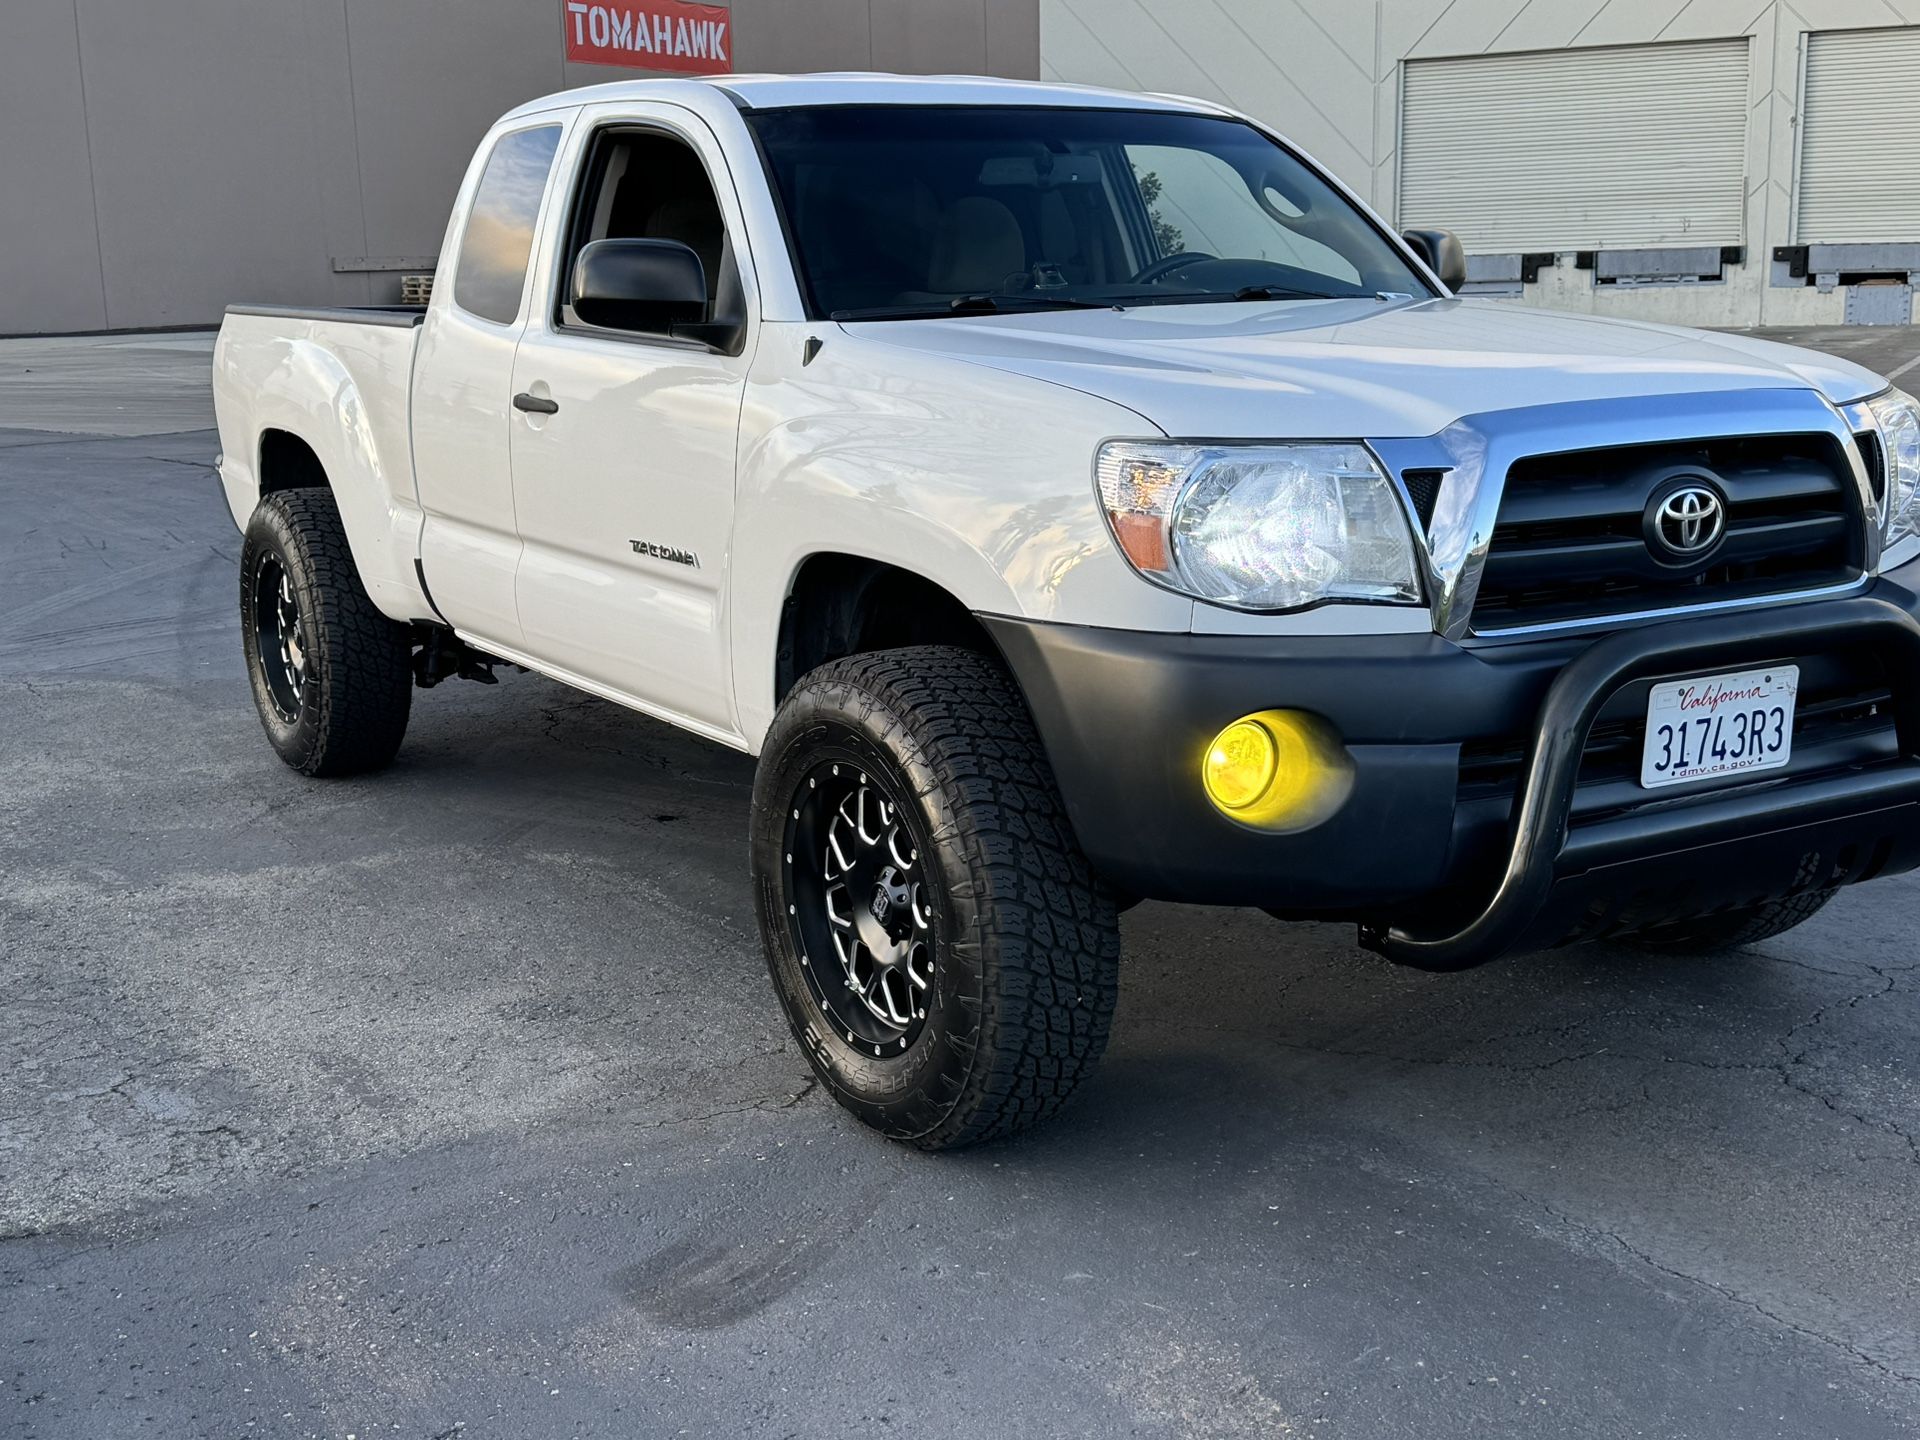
{"type": "Point", "coordinates": [644, 185]}
{"type": "Point", "coordinates": [499, 234]}
{"type": "Point", "coordinates": [1197, 201]}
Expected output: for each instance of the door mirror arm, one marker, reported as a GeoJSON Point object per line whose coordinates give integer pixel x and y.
{"type": "Point", "coordinates": [1441, 250]}
{"type": "Point", "coordinates": [724, 337]}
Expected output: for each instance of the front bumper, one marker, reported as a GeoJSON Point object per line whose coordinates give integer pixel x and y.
{"type": "Point", "coordinates": [1445, 858]}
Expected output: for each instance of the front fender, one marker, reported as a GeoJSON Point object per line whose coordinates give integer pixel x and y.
{"type": "Point", "coordinates": [978, 481]}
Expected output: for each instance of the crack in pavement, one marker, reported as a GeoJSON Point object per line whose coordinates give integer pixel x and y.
{"type": "Point", "coordinates": [1794, 1059]}
{"type": "Point", "coordinates": [1627, 1247]}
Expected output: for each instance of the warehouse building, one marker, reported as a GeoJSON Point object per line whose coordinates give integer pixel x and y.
{"type": "Point", "coordinates": [1706, 162]}
{"type": "Point", "coordinates": [163, 157]}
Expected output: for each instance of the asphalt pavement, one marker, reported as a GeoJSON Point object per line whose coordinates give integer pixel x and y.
{"type": "Point", "coordinates": [454, 1101]}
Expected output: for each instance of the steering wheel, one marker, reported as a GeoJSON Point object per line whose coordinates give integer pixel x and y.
{"type": "Point", "coordinates": [1167, 264]}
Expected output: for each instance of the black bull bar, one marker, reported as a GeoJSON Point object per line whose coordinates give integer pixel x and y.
{"type": "Point", "coordinates": [1542, 855]}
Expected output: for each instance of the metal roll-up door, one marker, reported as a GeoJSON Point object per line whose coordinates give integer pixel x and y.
{"type": "Point", "coordinates": [1621, 148]}
{"type": "Point", "coordinates": [1860, 139]}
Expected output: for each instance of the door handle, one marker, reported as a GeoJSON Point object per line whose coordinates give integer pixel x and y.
{"type": "Point", "coordinates": [534, 405]}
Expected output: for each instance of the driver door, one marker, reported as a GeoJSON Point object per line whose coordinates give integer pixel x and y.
{"type": "Point", "coordinates": [623, 441]}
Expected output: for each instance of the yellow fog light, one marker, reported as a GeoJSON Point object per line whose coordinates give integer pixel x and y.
{"type": "Point", "coordinates": [1277, 770]}
{"type": "Point", "coordinates": [1240, 764]}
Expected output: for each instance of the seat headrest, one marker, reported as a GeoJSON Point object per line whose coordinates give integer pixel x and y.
{"type": "Point", "coordinates": [977, 246]}
{"type": "Point", "coordinates": [695, 223]}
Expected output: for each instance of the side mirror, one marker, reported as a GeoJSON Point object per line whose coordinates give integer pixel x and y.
{"type": "Point", "coordinates": [650, 285]}
{"type": "Point", "coordinates": [1441, 250]}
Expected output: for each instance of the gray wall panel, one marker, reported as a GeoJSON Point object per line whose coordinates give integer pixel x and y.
{"type": "Point", "coordinates": [428, 79]}
{"type": "Point", "coordinates": [330, 148]}
{"type": "Point", "coordinates": [49, 261]}
{"type": "Point", "coordinates": [1013, 38]}
{"type": "Point", "coordinates": [918, 38]}
{"type": "Point", "coordinates": [574, 75]}
{"type": "Point", "coordinates": [820, 35]}
{"type": "Point", "coordinates": [201, 114]}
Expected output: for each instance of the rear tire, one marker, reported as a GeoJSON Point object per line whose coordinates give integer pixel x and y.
{"type": "Point", "coordinates": [332, 676]}
{"type": "Point", "coordinates": [1736, 927]}
{"type": "Point", "coordinates": [945, 955]}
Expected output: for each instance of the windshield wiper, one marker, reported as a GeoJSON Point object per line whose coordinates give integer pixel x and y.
{"type": "Point", "coordinates": [1278, 292]}
{"type": "Point", "coordinates": [968, 303]}
{"type": "Point", "coordinates": [1223, 297]}
{"type": "Point", "coordinates": [972, 305]}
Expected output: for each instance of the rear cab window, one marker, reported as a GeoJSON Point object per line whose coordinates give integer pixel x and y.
{"type": "Point", "coordinates": [498, 239]}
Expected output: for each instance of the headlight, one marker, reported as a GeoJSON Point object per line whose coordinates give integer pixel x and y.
{"type": "Point", "coordinates": [1896, 415]}
{"type": "Point", "coordinates": [1259, 527]}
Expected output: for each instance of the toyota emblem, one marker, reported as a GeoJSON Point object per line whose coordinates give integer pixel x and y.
{"type": "Point", "coordinates": [1689, 521]}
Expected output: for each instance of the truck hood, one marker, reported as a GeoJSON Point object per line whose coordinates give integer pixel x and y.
{"type": "Point", "coordinates": [1359, 368]}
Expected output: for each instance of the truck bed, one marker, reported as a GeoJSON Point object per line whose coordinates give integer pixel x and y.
{"type": "Point", "coordinates": [271, 365]}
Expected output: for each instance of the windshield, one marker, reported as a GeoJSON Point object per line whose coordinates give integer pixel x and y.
{"type": "Point", "coordinates": [900, 211]}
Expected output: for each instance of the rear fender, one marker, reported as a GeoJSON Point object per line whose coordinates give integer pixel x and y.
{"type": "Point", "coordinates": [343, 393]}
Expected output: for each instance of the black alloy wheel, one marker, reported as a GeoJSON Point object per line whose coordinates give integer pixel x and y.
{"type": "Point", "coordinates": [863, 914]}
{"type": "Point", "coordinates": [280, 638]}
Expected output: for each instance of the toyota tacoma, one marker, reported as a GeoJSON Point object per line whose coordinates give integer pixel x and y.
{"type": "Point", "coordinates": [1074, 498]}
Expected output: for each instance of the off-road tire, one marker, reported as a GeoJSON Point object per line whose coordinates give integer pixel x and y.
{"type": "Point", "coordinates": [347, 711]}
{"type": "Point", "coordinates": [1025, 942]}
{"type": "Point", "coordinates": [1735, 927]}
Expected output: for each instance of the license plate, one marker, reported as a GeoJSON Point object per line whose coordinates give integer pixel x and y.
{"type": "Point", "coordinates": [1719, 725]}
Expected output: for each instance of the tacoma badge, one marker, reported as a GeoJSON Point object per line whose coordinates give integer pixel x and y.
{"type": "Point", "coordinates": [665, 552]}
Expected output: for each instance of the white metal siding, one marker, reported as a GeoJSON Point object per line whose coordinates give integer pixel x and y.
{"type": "Point", "coordinates": [1630, 147]}
{"type": "Point", "coordinates": [1860, 138]}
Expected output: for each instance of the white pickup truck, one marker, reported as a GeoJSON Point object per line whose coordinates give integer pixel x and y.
{"type": "Point", "coordinates": [1072, 498]}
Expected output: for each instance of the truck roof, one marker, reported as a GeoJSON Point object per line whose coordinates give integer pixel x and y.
{"type": "Point", "coordinates": [764, 92]}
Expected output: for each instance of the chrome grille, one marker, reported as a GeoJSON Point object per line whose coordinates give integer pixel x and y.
{"type": "Point", "coordinates": [1571, 541]}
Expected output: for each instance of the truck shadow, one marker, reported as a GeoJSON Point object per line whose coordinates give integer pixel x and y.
{"type": "Point", "coordinates": [1235, 1028]}
{"type": "Point", "coordinates": [1237, 1034]}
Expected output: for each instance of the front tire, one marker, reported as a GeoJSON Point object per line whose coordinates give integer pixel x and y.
{"type": "Point", "coordinates": [945, 955]}
{"type": "Point", "coordinates": [1735, 928]}
{"type": "Point", "coordinates": [332, 676]}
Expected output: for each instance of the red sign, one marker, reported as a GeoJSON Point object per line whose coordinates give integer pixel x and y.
{"type": "Point", "coordinates": [650, 35]}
